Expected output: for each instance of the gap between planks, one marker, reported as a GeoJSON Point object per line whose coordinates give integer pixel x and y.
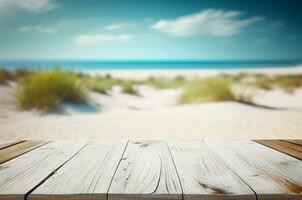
{"type": "Point", "coordinates": [292, 148]}
{"type": "Point", "coordinates": [144, 170]}
{"type": "Point", "coordinates": [297, 142]}
{"type": "Point", "coordinates": [88, 174]}
{"type": "Point", "coordinates": [20, 175]}
{"type": "Point", "coordinates": [14, 150]}
{"type": "Point", "coordinates": [5, 144]}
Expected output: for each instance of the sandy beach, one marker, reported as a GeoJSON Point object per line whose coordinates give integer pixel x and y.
{"type": "Point", "coordinates": [154, 114]}
{"type": "Point", "coordinates": [145, 73]}
{"type": "Point", "coordinates": [183, 69]}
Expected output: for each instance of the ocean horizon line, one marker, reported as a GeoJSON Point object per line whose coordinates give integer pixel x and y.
{"type": "Point", "coordinates": [74, 64]}
{"type": "Point", "coordinates": [147, 60]}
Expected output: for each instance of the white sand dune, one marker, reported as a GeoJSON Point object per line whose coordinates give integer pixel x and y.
{"type": "Point", "coordinates": [154, 115]}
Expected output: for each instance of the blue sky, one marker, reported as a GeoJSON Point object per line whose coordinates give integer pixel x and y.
{"type": "Point", "coordinates": [152, 30]}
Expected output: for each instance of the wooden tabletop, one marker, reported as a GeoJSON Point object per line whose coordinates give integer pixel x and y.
{"type": "Point", "coordinates": [176, 170]}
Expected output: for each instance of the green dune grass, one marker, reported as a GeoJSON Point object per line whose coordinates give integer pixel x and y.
{"type": "Point", "coordinates": [45, 90]}
{"type": "Point", "coordinates": [96, 85]}
{"type": "Point", "coordinates": [287, 83]}
{"type": "Point", "coordinates": [207, 90]}
{"type": "Point", "coordinates": [4, 76]}
{"type": "Point", "coordinates": [129, 88]}
{"type": "Point", "coordinates": [163, 83]}
{"type": "Point", "coordinates": [13, 75]}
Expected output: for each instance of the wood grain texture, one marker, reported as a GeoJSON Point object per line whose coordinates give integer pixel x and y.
{"type": "Point", "coordinates": [11, 152]}
{"type": "Point", "coordinates": [294, 150]}
{"type": "Point", "coordinates": [195, 170]}
{"type": "Point", "coordinates": [146, 171]}
{"type": "Point", "coordinates": [204, 175]}
{"type": "Point", "coordinates": [86, 176]}
{"type": "Point", "coordinates": [298, 142]}
{"type": "Point", "coordinates": [271, 174]}
{"type": "Point", "coordinates": [22, 174]}
{"type": "Point", "coordinates": [4, 144]}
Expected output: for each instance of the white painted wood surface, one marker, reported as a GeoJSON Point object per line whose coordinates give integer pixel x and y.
{"type": "Point", "coordinates": [87, 175]}
{"type": "Point", "coordinates": [22, 174]}
{"type": "Point", "coordinates": [204, 175]}
{"type": "Point", "coordinates": [146, 171]}
{"type": "Point", "coordinates": [271, 174]}
{"type": "Point", "coordinates": [196, 170]}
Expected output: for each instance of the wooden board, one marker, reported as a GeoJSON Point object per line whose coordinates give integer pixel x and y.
{"type": "Point", "coordinates": [298, 142]}
{"type": "Point", "coordinates": [173, 170]}
{"type": "Point", "coordinates": [204, 175]}
{"type": "Point", "coordinates": [11, 152]}
{"type": "Point", "coordinates": [271, 174]}
{"type": "Point", "coordinates": [87, 175]}
{"type": "Point", "coordinates": [146, 171]}
{"type": "Point", "coordinates": [22, 174]}
{"type": "Point", "coordinates": [4, 143]}
{"type": "Point", "coordinates": [294, 150]}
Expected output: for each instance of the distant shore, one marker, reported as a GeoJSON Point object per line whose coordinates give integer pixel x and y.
{"type": "Point", "coordinates": [171, 73]}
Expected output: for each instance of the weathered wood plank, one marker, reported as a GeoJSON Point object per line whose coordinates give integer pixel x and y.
{"type": "Point", "coordinates": [298, 142]}
{"type": "Point", "coordinates": [4, 144]}
{"type": "Point", "coordinates": [291, 149]}
{"type": "Point", "coordinates": [146, 171]}
{"type": "Point", "coordinates": [87, 175]}
{"type": "Point", "coordinates": [271, 174]}
{"type": "Point", "coordinates": [204, 175]}
{"type": "Point", "coordinates": [11, 152]}
{"type": "Point", "coordinates": [22, 174]}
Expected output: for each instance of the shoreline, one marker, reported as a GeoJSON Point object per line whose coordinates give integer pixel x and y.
{"type": "Point", "coordinates": [190, 73]}
{"type": "Point", "coordinates": [140, 73]}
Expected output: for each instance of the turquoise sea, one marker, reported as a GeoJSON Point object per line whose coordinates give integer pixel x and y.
{"type": "Point", "coordinates": [80, 65]}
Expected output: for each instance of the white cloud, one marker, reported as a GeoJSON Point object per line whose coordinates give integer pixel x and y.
{"type": "Point", "coordinates": [207, 22]}
{"type": "Point", "coordinates": [24, 29]}
{"type": "Point", "coordinates": [38, 29]}
{"type": "Point", "coordinates": [36, 6]}
{"type": "Point", "coordinates": [119, 26]}
{"type": "Point", "coordinates": [94, 39]}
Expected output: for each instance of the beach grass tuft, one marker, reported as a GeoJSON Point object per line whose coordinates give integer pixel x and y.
{"type": "Point", "coordinates": [45, 90]}
{"type": "Point", "coordinates": [100, 84]}
{"type": "Point", "coordinates": [164, 83]}
{"type": "Point", "coordinates": [207, 90]}
{"type": "Point", "coordinates": [13, 75]}
{"type": "Point", "coordinates": [287, 83]}
{"type": "Point", "coordinates": [5, 75]}
{"type": "Point", "coordinates": [95, 85]}
{"type": "Point", "coordinates": [99, 88]}
{"type": "Point", "coordinates": [21, 73]}
{"type": "Point", "coordinates": [129, 88]}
